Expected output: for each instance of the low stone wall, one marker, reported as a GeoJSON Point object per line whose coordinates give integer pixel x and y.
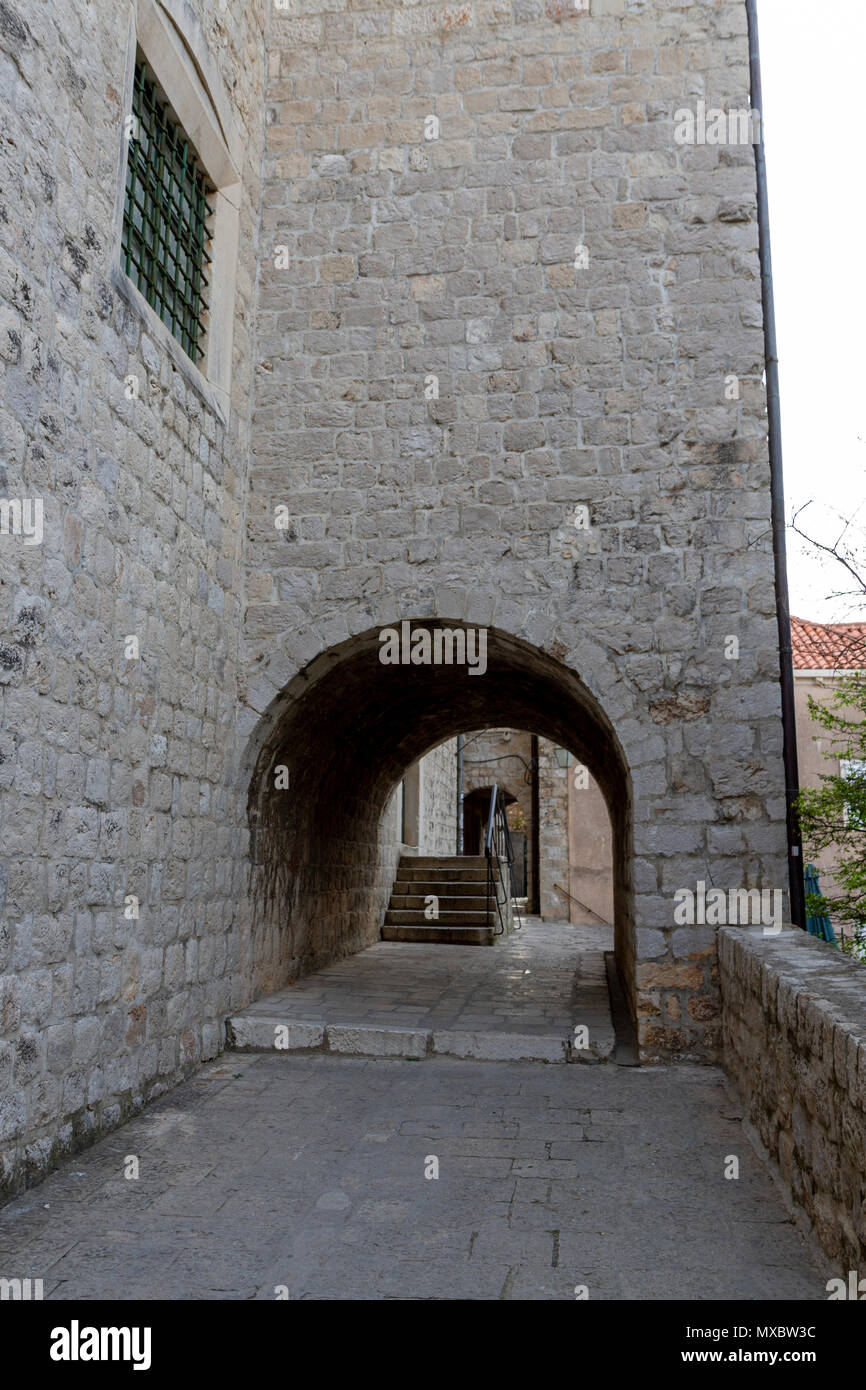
{"type": "Point", "coordinates": [794, 1030]}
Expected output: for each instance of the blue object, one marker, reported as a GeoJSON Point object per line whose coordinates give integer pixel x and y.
{"type": "Point", "coordinates": [818, 926]}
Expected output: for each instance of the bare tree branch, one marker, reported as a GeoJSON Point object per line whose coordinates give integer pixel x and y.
{"type": "Point", "coordinates": [829, 549]}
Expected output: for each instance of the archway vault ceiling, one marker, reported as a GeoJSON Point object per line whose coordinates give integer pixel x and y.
{"type": "Point", "coordinates": [351, 720]}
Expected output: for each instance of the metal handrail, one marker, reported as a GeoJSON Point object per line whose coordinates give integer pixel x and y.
{"type": "Point", "coordinates": [488, 855]}
{"type": "Point", "coordinates": [498, 846]}
{"type": "Point", "coordinates": [581, 903]}
{"type": "Point", "coordinates": [491, 814]}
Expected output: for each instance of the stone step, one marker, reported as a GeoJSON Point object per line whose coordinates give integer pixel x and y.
{"type": "Point", "coordinates": [459, 882]}
{"type": "Point", "coordinates": [427, 932]}
{"type": "Point", "coordinates": [416, 902]}
{"type": "Point", "coordinates": [469, 888]}
{"type": "Point", "coordinates": [441, 875]}
{"type": "Point", "coordinates": [396, 917]}
{"type": "Point", "coordinates": [247, 1032]}
{"type": "Point", "coordinates": [442, 861]}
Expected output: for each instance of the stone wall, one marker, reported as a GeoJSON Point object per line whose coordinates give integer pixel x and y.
{"type": "Point", "coordinates": [794, 1023]}
{"type": "Point", "coordinates": [503, 757]}
{"type": "Point", "coordinates": [439, 800]}
{"type": "Point", "coordinates": [466, 329]}
{"type": "Point", "coordinates": [390, 849]}
{"type": "Point", "coordinates": [553, 833]}
{"type": "Point", "coordinates": [118, 776]}
{"type": "Point", "coordinates": [482, 323]}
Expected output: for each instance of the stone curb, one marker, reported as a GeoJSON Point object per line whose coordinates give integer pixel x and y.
{"type": "Point", "coordinates": [501, 1047]}
{"type": "Point", "coordinates": [260, 1034]}
{"type": "Point", "coordinates": [252, 1034]}
{"type": "Point", "coordinates": [359, 1040]}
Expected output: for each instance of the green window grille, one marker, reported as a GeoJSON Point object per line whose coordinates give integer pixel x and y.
{"type": "Point", "coordinates": [166, 217]}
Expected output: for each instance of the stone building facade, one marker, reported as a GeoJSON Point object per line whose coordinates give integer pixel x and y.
{"type": "Point", "coordinates": [502, 758]}
{"type": "Point", "coordinates": [485, 313]}
{"type": "Point", "coordinates": [822, 653]}
{"type": "Point", "coordinates": [124, 836]}
{"type": "Point", "coordinates": [552, 833]}
{"type": "Point", "coordinates": [503, 348]}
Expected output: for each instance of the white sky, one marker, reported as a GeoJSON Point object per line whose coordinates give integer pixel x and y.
{"type": "Point", "coordinates": [814, 78]}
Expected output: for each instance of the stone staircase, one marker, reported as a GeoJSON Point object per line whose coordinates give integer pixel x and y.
{"type": "Point", "coordinates": [459, 883]}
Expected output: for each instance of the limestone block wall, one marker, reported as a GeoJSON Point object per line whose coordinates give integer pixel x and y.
{"type": "Point", "coordinates": [445, 379]}
{"type": "Point", "coordinates": [553, 832]}
{"type": "Point", "coordinates": [503, 756]}
{"type": "Point", "coordinates": [495, 756]}
{"type": "Point", "coordinates": [439, 800]}
{"type": "Point", "coordinates": [794, 1023]}
{"type": "Point", "coordinates": [389, 857]}
{"type": "Point", "coordinates": [480, 288]}
{"type": "Point", "coordinates": [117, 776]}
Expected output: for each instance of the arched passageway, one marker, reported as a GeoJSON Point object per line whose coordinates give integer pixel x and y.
{"type": "Point", "coordinates": [332, 748]}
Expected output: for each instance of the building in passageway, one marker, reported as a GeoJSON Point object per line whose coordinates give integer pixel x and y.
{"type": "Point", "coordinates": [316, 321]}
{"type": "Point", "coordinates": [559, 822]}
{"type": "Point", "coordinates": [823, 653]}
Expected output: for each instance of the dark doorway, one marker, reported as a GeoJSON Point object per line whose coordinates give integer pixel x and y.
{"type": "Point", "coordinates": [476, 808]}
{"type": "Point", "coordinates": [518, 868]}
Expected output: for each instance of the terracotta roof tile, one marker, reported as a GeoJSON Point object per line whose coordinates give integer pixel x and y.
{"type": "Point", "coordinates": [827, 646]}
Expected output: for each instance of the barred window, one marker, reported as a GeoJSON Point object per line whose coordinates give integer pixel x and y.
{"type": "Point", "coordinates": [167, 216]}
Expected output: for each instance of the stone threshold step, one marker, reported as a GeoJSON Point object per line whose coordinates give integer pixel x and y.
{"type": "Point", "coordinates": [427, 935]}
{"type": "Point", "coordinates": [442, 861]}
{"type": "Point", "coordinates": [458, 908]}
{"type": "Point", "coordinates": [259, 1034]}
{"type": "Point", "coordinates": [422, 888]}
{"type": "Point", "coordinates": [440, 876]}
{"type": "Point", "coordinates": [448, 917]}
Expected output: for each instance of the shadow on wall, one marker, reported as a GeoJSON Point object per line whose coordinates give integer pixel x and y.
{"type": "Point", "coordinates": [330, 751]}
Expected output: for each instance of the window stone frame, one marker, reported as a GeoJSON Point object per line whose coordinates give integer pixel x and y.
{"type": "Point", "coordinates": [170, 36]}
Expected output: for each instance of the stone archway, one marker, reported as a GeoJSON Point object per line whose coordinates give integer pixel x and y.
{"type": "Point", "coordinates": [334, 744]}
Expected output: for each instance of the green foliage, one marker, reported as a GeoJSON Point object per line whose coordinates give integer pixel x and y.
{"type": "Point", "coordinates": [833, 816]}
{"type": "Point", "coordinates": [855, 946]}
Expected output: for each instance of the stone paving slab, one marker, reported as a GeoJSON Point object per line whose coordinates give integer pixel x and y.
{"type": "Point", "coordinates": [308, 1172]}
{"type": "Point", "coordinates": [521, 999]}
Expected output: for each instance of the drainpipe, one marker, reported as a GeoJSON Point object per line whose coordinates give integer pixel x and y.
{"type": "Point", "coordinates": [777, 490]}
{"type": "Point", "coordinates": [460, 741]}
{"type": "Point", "coordinates": [536, 830]}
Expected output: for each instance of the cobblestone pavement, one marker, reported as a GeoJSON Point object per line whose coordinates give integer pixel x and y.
{"type": "Point", "coordinates": [538, 983]}
{"type": "Point", "coordinates": [309, 1172]}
